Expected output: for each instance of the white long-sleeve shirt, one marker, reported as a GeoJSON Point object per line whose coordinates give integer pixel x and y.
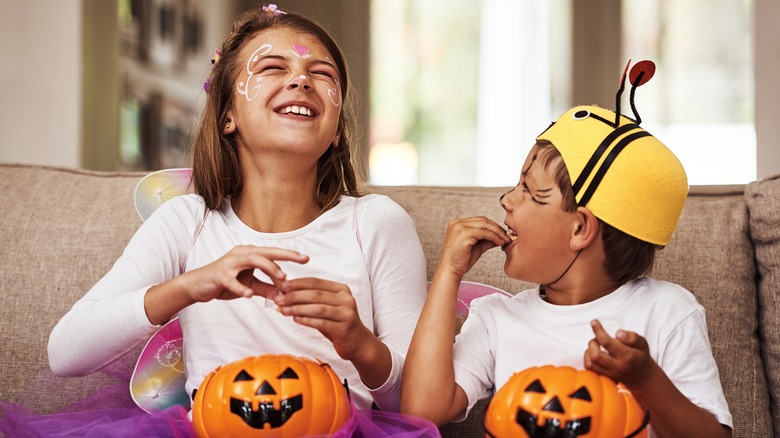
{"type": "Point", "coordinates": [368, 243]}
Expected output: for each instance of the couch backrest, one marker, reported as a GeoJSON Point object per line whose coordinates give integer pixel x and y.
{"type": "Point", "coordinates": [62, 229]}
{"type": "Point", "coordinates": [763, 200]}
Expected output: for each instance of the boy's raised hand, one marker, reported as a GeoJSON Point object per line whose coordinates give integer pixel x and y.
{"type": "Point", "coordinates": [466, 240]}
{"type": "Point", "coordinates": [624, 358]}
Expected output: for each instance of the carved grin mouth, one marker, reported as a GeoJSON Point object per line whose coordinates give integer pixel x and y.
{"type": "Point", "coordinates": [266, 413]}
{"type": "Point", "coordinates": [552, 427]}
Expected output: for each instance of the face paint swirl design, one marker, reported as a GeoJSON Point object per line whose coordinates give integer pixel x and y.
{"type": "Point", "coordinates": [334, 93]}
{"type": "Point", "coordinates": [243, 87]}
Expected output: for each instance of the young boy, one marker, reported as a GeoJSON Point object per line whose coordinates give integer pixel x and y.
{"type": "Point", "coordinates": [597, 197]}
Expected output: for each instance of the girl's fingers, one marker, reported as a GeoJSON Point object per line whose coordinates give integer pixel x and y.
{"type": "Point", "coordinates": [313, 311]}
{"type": "Point", "coordinates": [329, 298]}
{"type": "Point", "coordinates": [261, 288]}
{"type": "Point", "coordinates": [274, 253]}
{"type": "Point", "coordinates": [313, 284]}
{"type": "Point", "coordinates": [237, 288]}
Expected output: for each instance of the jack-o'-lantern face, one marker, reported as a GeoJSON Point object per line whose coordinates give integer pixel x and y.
{"type": "Point", "coordinates": [271, 395]}
{"type": "Point", "coordinates": [563, 402]}
{"type": "Point", "coordinates": [265, 412]}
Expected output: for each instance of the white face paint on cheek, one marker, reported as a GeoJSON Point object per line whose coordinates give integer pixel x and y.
{"type": "Point", "coordinates": [335, 94]}
{"type": "Point", "coordinates": [243, 87]}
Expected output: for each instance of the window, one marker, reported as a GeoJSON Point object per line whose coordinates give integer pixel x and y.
{"type": "Point", "coordinates": [700, 102]}
{"type": "Point", "coordinates": [459, 89]}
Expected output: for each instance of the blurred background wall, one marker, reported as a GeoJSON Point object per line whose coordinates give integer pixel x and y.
{"type": "Point", "coordinates": [451, 92]}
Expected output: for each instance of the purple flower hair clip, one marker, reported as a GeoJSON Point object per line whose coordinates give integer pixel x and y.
{"type": "Point", "coordinates": [272, 10]}
{"type": "Point", "coordinates": [214, 61]}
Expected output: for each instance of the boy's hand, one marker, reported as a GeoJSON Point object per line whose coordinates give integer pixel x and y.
{"type": "Point", "coordinates": [466, 240]}
{"type": "Point", "coordinates": [624, 358]}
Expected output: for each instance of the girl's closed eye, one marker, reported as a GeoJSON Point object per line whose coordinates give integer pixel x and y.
{"type": "Point", "coordinates": [271, 69]}
{"type": "Point", "coordinates": [325, 74]}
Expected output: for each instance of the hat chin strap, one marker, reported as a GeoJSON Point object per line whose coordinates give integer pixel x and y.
{"type": "Point", "coordinates": [567, 269]}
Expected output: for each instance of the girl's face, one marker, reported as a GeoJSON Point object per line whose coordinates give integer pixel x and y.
{"type": "Point", "coordinates": [287, 94]}
{"type": "Point", "coordinates": [541, 252]}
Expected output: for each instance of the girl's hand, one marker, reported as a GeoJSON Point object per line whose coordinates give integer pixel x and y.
{"type": "Point", "coordinates": [465, 242]}
{"type": "Point", "coordinates": [328, 307]}
{"type": "Point", "coordinates": [232, 275]}
{"type": "Point", "coordinates": [624, 358]}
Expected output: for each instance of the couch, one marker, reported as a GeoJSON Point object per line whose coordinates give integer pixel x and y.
{"type": "Point", "coordinates": [61, 229]}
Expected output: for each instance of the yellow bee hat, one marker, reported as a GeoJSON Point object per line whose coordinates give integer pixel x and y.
{"type": "Point", "coordinates": [624, 175]}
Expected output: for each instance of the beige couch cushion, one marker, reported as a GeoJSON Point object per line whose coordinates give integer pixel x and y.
{"type": "Point", "coordinates": [61, 231]}
{"type": "Point", "coordinates": [711, 255]}
{"type": "Point", "coordinates": [762, 200]}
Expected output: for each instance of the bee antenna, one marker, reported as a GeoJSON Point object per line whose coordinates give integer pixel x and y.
{"type": "Point", "coordinates": [620, 94]}
{"type": "Point", "coordinates": [631, 97]}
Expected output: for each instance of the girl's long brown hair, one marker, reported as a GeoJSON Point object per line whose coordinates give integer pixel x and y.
{"type": "Point", "coordinates": [216, 173]}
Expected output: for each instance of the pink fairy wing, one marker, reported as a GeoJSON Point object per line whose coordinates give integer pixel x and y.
{"type": "Point", "coordinates": [158, 187]}
{"type": "Point", "coordinates": [467, 292]}
{"type": "Point", "coordinates": [158, 379]}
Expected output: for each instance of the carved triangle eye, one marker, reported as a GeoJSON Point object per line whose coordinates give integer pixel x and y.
{"type": "Point", "coordinates": [289, 373]}
{"type": "Point", "coordinates": [243, 376]}
{"type": "Point", "coordinates": [581, 394]}
{"type": "Point", "coordinates": [536, 386]}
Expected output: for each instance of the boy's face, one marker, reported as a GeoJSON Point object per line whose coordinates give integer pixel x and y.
{"type": "Point", "coordinates": [541, 252]}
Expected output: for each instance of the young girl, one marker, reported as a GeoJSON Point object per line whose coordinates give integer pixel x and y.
{"type": "Point", "coordinates": [277, 214]}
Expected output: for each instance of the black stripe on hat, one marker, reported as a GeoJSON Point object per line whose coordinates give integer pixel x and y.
{"type": "Point", "coordinates": [597, 154]}
{"type": "Point", "coordinates": [625, 141]}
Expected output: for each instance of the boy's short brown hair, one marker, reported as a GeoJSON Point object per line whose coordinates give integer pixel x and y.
{"type": "Point", "coordinates": [626, 257]}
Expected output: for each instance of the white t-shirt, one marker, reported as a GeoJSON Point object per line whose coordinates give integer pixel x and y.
{"type": "Point", "coordinates": [503, 335]}
{"type": "Point", "coordinates": [369, 243]}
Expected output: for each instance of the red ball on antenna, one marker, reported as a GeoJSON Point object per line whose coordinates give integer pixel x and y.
{"type": "Point", "coordinates": [647, 67]}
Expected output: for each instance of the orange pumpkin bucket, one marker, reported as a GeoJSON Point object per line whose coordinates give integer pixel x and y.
{"type": "Point", "coordinates": [562, 401]}
{"type": "Point", "coordinates": [270, 396]}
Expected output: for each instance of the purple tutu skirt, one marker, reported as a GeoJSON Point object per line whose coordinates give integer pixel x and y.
{"type": "Point", "coordinates": [111, 412]}
{"type": "Point", "coordinates": [20, 422]}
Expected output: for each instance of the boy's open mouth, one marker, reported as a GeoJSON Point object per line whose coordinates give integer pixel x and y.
{"type": "Point", "coordinates": [512, 235]}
